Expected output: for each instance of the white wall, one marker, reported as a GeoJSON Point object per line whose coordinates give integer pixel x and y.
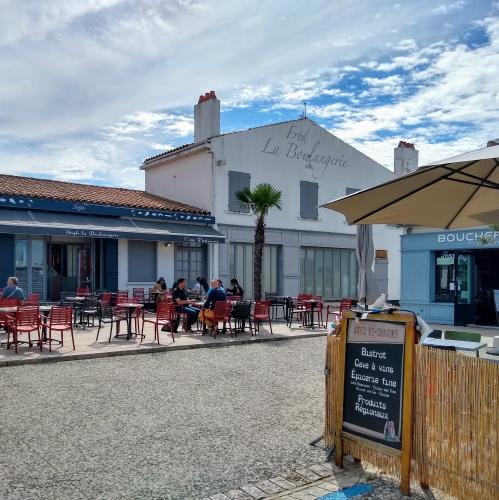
{"type": "Point", "coordinates": [164, 265]}
{"type": "Point", "coordinates": [187, 179]}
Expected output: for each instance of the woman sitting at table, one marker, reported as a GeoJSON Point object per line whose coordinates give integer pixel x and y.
{"type": "Point", "coordinates": [236, 288]}
{"type": "Point", "coordinates": [201, 287]}
{"type": "Point", "coordinates": [216, 294]}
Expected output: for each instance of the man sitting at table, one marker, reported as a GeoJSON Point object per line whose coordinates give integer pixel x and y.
{"type": "Point", "coordinates": [216, 294]}
{"type": "Point", "coordinates": [183, 305]}
{"type": "Point", "coordinates": [12, 291]}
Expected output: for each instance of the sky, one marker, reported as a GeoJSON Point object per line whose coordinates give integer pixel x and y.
{"type": "Point", "coordinates": [89, 88]}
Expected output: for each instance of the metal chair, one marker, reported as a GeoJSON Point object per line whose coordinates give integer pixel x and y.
{"type": "Point", "coordinates": [261, 312]}
{"type": "Point", "coordinates": [345, 305]}
{"type": "Point", "coordinates": [221, 314]}
{"type": "Point", "coordinates": [298, 309]}
{"type": "Point", "coordinates": [241, 312]}
{"type": "Point", "coordinates": [165, 316]}
{"type": "Point", "coordinates": [26, 320]}
{"type": "Point", "coordinates": [106, 316]}
{"type": "Point", "coordinates": [60, 319]}
{"type": "Point", "coordinates": [89, 310]}
{"type": "Point", "coordinates": [33, 299]}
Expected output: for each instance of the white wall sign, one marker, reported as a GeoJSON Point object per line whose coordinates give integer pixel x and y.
{"type": "Point", "coordinates": [472, 238]}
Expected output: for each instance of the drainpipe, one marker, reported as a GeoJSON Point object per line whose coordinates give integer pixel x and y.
{"type": "Point", "coordinates": [215, 254]}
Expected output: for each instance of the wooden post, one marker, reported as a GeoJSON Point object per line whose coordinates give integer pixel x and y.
{"type": "Point", "coordinates": [341, 392]}
{"type": "Point", "coordinates": [405, 459]}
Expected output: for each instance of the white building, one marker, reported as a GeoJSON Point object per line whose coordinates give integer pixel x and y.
{"type": "Point", "coordinates": [308, 248]}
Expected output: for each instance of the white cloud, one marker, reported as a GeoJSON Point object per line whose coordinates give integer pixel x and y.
{"type": "Point", "coordinates": [407, 44]}
{"type": "Point", "coordinates": [443, 8]}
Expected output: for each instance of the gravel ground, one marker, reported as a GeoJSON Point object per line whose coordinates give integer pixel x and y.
{"type": "Point", "coordinates": [183, 424]}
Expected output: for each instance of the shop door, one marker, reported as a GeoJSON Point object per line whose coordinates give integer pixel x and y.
{"type": "Point", "coordinates": [464, 290]}
{"type": "Point", "coordinates": [190, 262]}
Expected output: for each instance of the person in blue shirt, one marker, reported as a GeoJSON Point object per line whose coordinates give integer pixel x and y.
{"type": "Point", "coordinates": [215, 294]}
{"type": "Point", "coordinates": [12, 291]}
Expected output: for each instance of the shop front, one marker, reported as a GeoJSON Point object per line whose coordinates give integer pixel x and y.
{"type": "Point", "coordinates": [55, 246]}
{"type": "Point", "coordinates": [450, 277]}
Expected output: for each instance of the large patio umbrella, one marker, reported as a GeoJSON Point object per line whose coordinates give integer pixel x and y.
{"type": "Point", "coordinates": [462, 191]}
{"type": "Point", "coordinates": [367, 287]}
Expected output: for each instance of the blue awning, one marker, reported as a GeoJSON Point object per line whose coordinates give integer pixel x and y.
{"type": "Point", "coordinates": [88, 226]}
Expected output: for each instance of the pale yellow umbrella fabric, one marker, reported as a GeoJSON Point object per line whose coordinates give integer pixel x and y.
{"type": "Point", "coordinates": [462, 191]}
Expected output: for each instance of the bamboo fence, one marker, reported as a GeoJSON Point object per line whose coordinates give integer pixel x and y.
{"type": "Point", "coordinates": [455, 427]}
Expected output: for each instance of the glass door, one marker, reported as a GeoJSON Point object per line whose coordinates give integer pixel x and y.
{"type": "Point", "coordinates": [464, 290]}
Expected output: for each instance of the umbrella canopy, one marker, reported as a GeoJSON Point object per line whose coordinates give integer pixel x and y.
{"type": "Point", "coordinates": [462, 191]}
{"type": "Point", "coordinates": [367, 287]}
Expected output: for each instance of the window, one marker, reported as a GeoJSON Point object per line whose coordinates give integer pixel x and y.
{"type": "Point", "coordinates": [309, 200]}
{"type": "Point", "coordinates": [241, 267]}
{"type": "Point", "coordinates": [190, 262]}
{"type": "Point", "coordinates": [330, 272]}
{"type": "Point", "coordinates": [444, 276]}
{"type": "Point", "coordinates": [142, 261]}
{"type": "Point", "coordinates": [237, 182]}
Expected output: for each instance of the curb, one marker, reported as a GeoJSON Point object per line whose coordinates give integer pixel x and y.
{"type": "Point", "coordinates": [150, 350]}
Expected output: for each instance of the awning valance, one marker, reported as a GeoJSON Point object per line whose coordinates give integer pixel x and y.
{"type": "Point", "coordinates": [87, 226]}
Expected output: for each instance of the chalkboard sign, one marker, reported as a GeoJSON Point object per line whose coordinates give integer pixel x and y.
{"type": "Point", "coordinates": [376, 377]}
{"type": "Point", "coordinates": [374, 370]}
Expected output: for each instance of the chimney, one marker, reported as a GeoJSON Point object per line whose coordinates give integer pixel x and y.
{"type": "Point", "coordinates": [206, 117]}
{"type": "Point", "coordinates": [405, 158]}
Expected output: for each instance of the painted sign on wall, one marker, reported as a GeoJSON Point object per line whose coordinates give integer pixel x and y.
{"type": "Point", "coordinates": [298, 144]}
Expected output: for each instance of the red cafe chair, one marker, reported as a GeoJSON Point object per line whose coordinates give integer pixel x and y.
{"type": "Point", "coordinates": [60, 319]}
{"type": "Point", "coordinates": [26, 320]}
{"type": "Point", "coordinates": [261, 312]}
{"type": "Point", "coordinates": [165, 315]}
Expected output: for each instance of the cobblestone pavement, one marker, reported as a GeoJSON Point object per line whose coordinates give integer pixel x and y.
{"type": "Point", "coordinates": [325, 481]}
{"type": "Point", "coordinates": [174, 425]}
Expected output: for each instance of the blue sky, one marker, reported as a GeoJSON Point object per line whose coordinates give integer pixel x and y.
{"type": "Point", "coordinates": [89, 88]}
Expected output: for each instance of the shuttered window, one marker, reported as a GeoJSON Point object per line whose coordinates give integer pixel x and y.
{"type": "Point", "coordinates": [142, 261]}
{"type": "Point", "coordinates": [309, 200]}
{"type": "Point", "coordinates": [237, 182]}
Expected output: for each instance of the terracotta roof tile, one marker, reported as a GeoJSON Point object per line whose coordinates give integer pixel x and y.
{"type": "Point", "coordinates": [13, 185]}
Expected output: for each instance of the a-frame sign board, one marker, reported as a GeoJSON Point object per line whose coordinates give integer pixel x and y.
{"type": "Point", "coordinates": [376, 385]}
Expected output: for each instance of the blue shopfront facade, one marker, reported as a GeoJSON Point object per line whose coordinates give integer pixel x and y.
{"type": "Point", "coordinates": [448, 277]}
{"type": "Point", "coordinates": [57, 246]}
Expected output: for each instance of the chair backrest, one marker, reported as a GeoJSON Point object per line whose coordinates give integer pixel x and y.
{"type": "Point", "coordinates": [123, 292]}
{"type": "Point", "coordinates": [27, 315]}
{"type": "Point", "coordinates": [467, 336]}
{"type": "Point", "coordinates": [121, 297]}
{"type": "Point", "coordinates": [317, 297]}
{"type": "Point", "coordinates": [8, 302]}
{"type": "Point", "coordinates": [90, 303]}
{"type": "Point", "coordinates": [106, 298]}
{"type": "Point", "coordinates": [82, 291]}
{"type": "Point", "coordinates": [138, 294]}
{"type": "Point", "coordinates": [33, 299]}
{"type": "Point", "coordinates": [241, 310]}
{"type": "Point", "coordinates": [233, 298]}
{"type": "Point", "coordinates": [61, 315]}
{"type": "Point", "coordinates": [304, 296]}
{"type": "Point", "coordinates": [220, 310]}
{"type": "Point", "coordinates": [262, 308]}
{"type": "Point", "coordinates": [167, 295]}
{"type": "Point", "coordinates": [165, 311]}
{"type": "Point", "coordinates": [104, 310]}
{"type": "Point", "coordinates": [345, 304]}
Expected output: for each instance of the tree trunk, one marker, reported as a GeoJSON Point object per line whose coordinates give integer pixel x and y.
{"type": "Point", "coordinates": [258, 257]}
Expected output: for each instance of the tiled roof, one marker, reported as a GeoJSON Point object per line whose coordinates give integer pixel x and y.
{"type": "Point", "coordinates": [178, 148]}
{"type": "Point", "coordinates": [13, 185]}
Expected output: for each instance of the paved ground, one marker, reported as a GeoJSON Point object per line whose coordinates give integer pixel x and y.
{"type": "Point", "coordinates": [169, 425]}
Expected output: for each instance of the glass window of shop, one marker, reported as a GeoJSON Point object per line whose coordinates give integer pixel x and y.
{"type": "Point", "coordinates": [444, 276]}
{"type": "Point", "coordinates": [241, 267]}
{"type": "Point", "coordinates": [30, 264]}
{"type": "Point", "coordinates": [329, 272]}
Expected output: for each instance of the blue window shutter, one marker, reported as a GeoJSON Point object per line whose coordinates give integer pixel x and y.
{"type": "Point", "coordinates": [7, 257]}
{"type": "Point", "coordinates": [309, 200]}
{"type": "Point", "coordinates": [110, 264]}
{"type": "Point", "coordinates": [142, 261]}
{"type": "Point", "coordinates": [237, 182]}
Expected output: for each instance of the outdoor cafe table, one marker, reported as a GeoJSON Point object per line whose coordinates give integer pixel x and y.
{"type": "Point", "coordinates": [129, 308]}
{"type": "Point", "coordinates": [462, 345]}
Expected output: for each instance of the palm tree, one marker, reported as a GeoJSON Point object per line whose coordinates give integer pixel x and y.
{"type": "Point", "coordinates": [259, 200]}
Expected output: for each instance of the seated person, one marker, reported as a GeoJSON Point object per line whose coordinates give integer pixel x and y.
{"type": "Point", "coordinates": [216, 294]}
{"type": "Point", "coordinates": [12, 291]}
{"type": "Point", "coordinates": [236, 288]}
{"type": "Point", "coordinates": [183, 305]}
{"type": "Point", "coordinates": [201, 287]}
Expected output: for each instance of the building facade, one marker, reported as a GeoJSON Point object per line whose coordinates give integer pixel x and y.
{"type": "Point", "coordinates": [450, 277]}
{"type": "Point", "coordinates": [59, 236]}
{"type": "Point", "coordinates": [308, 248]}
